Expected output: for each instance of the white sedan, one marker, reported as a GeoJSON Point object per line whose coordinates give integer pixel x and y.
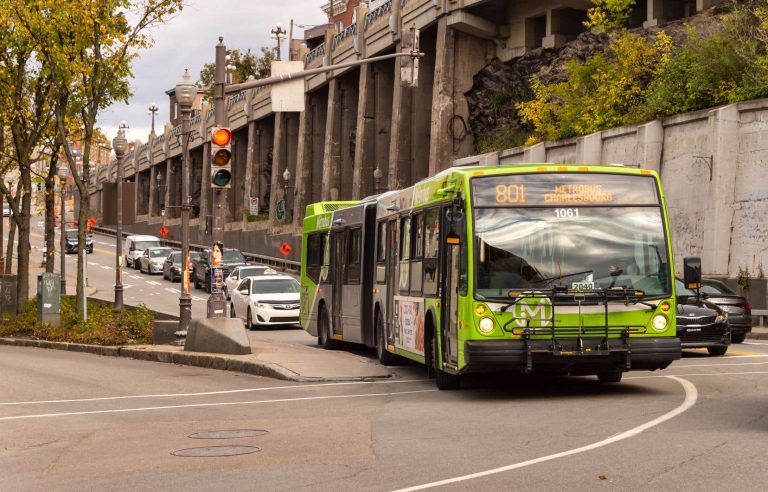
{"type": "Point", "coordinates": [266, 300]}
{"type": "Point", "coordinates": [241, 272]}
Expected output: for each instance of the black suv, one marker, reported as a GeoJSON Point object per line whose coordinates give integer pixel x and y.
{"type": "Point", "coordinates": [71, 241]}
{"type": "Point", "coordinates": [201, 267]}
{"type": "Point", "coordinates": [737, 307]}
{"type": "Point", "coordinates": [700, 323]}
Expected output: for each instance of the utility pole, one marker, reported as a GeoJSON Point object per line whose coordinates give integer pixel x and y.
{"type": "Point", "coordinates": [186, 90]}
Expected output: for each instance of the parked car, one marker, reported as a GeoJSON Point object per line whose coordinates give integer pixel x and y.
{"type": "Point", "coordinates": [242, 272]}
{"type": "Point", "coordinates": [700, 323]}
{"type": "Point", "coordinates": [201, 268]}
{"type": "Point", "coordinates": [172, 264]}
{"type": "Point", "coordinates": [266, 300]}
{"type": "Point", "coordinates": [135, 246]}
{"type": "Point", "coordinates": [71, 241]}
{"type": "Point", "coordinates": [152, 259]}
{"type": "Point", "coordinates": [736, 307]}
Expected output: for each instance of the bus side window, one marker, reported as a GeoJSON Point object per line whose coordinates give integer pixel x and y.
{"type": "Point", "coordinates": [381, 253]}
{"type": "Point", "coordinates": [417, 223]}
{"type": "Point", "coordinates": [405, 254]}
{"type": "Point", "coordinates": [325, 260]}
{"type": "Point", "coordinates": [314, 256]}
{"type": "Point", "coordinates": [431, 249]}
{"type": "Point", "coordinates": [353, 256]}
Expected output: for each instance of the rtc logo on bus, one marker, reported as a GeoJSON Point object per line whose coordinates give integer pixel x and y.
{"type": "Point", "coordinates": [531, 309]}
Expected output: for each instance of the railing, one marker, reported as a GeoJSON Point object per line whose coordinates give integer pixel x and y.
{"type": "Point", "coordinates": [278, 263]}
{"type": "Point", "coordinates": [761, 315]}
{"type": "Point", "coordinates": [378, 12]}
{"type": "Point", "coordinates": [315, 53]}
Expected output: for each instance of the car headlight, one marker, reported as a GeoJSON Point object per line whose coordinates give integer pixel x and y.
{"type": "Point", "coordinates": [259, 305]}
{"type": "Point", "coordinates": [659, 322]}
{"type": "Point", "coordinates": [720, 318]}
{"type": "Point", "coordinates": [486, 326]}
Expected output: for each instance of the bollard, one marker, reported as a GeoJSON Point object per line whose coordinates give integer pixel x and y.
{"type": "Point", "coordinates": [49, 298]}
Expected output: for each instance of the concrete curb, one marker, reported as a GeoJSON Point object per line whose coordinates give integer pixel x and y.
{"type": "Point", "coordinates": [757, 336]}
{"type": "Point", "coordinates": [196, 359]}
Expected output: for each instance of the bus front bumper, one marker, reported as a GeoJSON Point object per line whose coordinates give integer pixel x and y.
{"type": "Point", "coordinates": [570, 355]}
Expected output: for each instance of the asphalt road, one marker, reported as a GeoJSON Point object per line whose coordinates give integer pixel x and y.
{"type": "Point", "coordinates": [71, 421]}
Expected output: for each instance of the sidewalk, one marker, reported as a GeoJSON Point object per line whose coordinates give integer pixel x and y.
{"type": "Point", "coordinates": [758, 333]}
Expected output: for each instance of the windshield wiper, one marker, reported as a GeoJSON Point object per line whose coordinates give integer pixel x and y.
{"type": "Point", "coordinates": [561, 276]}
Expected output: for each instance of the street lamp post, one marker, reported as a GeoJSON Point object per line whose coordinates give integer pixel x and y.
{"type": "Point", "coordinates": [287, 186]}
{"type": "Point", "coordinates": [62, 173]}
{"type": "Point", "coordinates": [278, 34]}
{"type": "Point", "coordinates": [159, 190]}
{"type": "Point", "coordinates": [377, 175]}
{"type": "Point", "coordinates": [120, 144]}
{"type": "Point", "coordinates": [152, 110]}
{"type": "Point", "coordinates": [186, 90]}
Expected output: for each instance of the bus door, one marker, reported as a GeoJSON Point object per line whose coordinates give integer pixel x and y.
{"type": "Point", "coordinates": [450, 318]}
{"type": "Point", "coordinates": [392, 271]}
{"type": "Point", "coordinates": [338, 249]}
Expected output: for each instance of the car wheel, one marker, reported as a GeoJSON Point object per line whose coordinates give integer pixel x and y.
{"type": "Point", "coordinates": [385, 357]}
{"type": "Point", "coordinates": [324, 338]}
{"type": "Point", "coordinates": [249, 320]}
{"type": "Point", "coordinates": [738, 338]}
{"type": "Point", "coordinates": [717, 351]}
{"type": "Point", "coordinates": [443, 380]}
{"type": "Point", "coordinates": [613, 376]}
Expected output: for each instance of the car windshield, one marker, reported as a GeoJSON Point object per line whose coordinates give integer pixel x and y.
{"type": "Point", "coordinates": [142, 245]}
{"type": "Point", "coordinates": [275, 286]}
{"type": "Point", "coordinates": [578, 247]}
{"type": "Point", "coordinates": [711, 287]}
{"type": "Point", "coordinates": [159, 253]}
{"type": "Point", "coordinates": [176, 258]}
{"type": "Point", "coordinates": [252, 271]}
{"type": "Point", "coordinates": [71, 234]}
{"type": "Point", "coordinates": [233, 256]}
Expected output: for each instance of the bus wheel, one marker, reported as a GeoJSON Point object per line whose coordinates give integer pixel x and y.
{"type": "Point", "coordinates": [385, 357]}
{"type": "Point", "coordinates": [443, 380]}
{"type": "Point", "coordinates": [324, 331]}
{"type": "Point", "coordinates": [610, 376]}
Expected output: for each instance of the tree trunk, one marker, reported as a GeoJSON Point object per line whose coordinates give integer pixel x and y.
{"type": "Point", "coordinates": [82, 219]}
{"type": "Point", "coordinates": [9, 247]}
{"type": "Point", "coordinates": [50, 215]}
{"type": "Point", "coordinates": [23, 245]}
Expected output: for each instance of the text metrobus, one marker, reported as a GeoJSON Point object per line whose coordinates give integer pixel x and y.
{"type": "Point", "coordinates": [529, 268]}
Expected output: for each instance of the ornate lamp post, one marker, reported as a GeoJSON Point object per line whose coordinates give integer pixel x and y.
{"type": "Point", "coordinates": [377, 175]}
{"type": "Point", "coordinates": [287, 186]}
{"type": "Point", "coordinates": [152, 110]}
{"type": "Point", "coordinates": [62, 173]}
{"type": "Point", "coordinates": [120, 144]}
{"type": "Point", "coordinates": [186, 90]}
{"type": "Point", "coordinates": [278, 34]}
{"type": "Point", "coordinates": [160, 195]}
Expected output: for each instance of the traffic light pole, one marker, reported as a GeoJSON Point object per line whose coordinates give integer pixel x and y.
{"type": "Point", "coordinates": [217, 303]}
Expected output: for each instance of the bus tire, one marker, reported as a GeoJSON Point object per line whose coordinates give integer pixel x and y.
{"type": "Point", "coordinates": [443, 380]}
{"type": "Point", "coordinates": [324, 338]}
{"type": "Point", "coordinates": [613, 376]}
{"type": "Point", "coordinates": [385, 357]}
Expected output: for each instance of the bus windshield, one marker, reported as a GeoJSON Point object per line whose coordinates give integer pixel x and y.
{"type": "Point", "coordinates": [580, 248]}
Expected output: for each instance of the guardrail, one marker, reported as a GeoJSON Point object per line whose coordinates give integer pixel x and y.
{"type": "Point", "coordinates": [761, 315]}
{"type": "Point", "coordinates": [278, 263]}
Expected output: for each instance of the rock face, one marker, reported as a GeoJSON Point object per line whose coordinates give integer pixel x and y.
{"type": "Point", "coordinates": [218, 336]}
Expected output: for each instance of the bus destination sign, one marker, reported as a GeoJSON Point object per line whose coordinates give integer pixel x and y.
{"type": "Point", "coordinates": [564, 189]}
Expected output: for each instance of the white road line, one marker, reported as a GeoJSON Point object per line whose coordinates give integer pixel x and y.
{"type": "Point", "coordinates": [753, 343]}
{"type": "Point", "coordinates": [221, 392]}
{"type": "Point", "coordinates": [93, 263]}
{"type": "Point", "coordinates": [195, 298]}
{"type": "Point", "coordinates": [173, 291]}
{"type": "Point", "coordinates": [221, 404]}
{"type": "Point", "coordinates": [135, 277]}
{"type": "Point", "coordinates": [691, 395]}
{"type": "Point", "coordinates": [723, 365]}
{"type": "Point", "coordinates": [153, 282]}
{"type": "Point", "coordinates": [127, 286]}
{"type": "Point", "coordinates": [700, 374]}
{"type": "Point", "coordinates": [104, 267]}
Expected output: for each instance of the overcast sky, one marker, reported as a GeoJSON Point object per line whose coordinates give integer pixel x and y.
{"type": "Point", "coordinates": [189, 40]}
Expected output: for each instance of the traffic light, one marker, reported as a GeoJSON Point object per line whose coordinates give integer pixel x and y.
{"type": "Point", "coordinates": [221, 157]}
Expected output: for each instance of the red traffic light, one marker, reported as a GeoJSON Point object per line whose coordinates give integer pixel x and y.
{"type": "Point", "coordinates": [221, 136]}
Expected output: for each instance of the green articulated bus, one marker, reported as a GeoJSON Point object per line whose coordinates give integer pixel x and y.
{"type": "Point", "coordinates": [524, 268]}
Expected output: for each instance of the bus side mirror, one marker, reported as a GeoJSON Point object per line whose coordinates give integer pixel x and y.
{"type": "Point", "coordinates": [692, 272]}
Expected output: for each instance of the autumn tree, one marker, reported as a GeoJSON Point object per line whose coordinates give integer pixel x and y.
{"type": "Point", "coordinates": [246, 63]}
{"type": "Point", "coordinates": [89, 47]}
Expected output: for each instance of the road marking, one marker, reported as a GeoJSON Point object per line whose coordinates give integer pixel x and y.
{"type": "Point", "coordinates": [691, 395]}
{"type": "Point", "coordinates": [754, 343]}
{"type": "Point", "coordinates": [173, 291]}
{"type": "Point", "coordinates": [679, 366]}
{"type": "Point", "coordinates": [93, 263]}
{"type": "Point", "coordinates": [195, 298]}
{"type": "Point", "coordinates": [153, 282]}
{"type": "Point", "coordinates": [135, 277]}
{"type": "Point", "coordinates": [127, 286]}
{"type": "Point", "coordinates": [220, 404]}
{"type": "Point", "coordinates": [220, 392]}
{"type": "Point", "coordinates": [701, 374]}
{"type": "Point", "coordinates": [104, 267]}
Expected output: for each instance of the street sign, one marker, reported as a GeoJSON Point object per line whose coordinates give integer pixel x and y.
{"type": "Point", "coordinates": [288, 96]}
{"type": "Point", "coordinates": [253, 205]}
{"type": "Point", "coordinates": [285, 249]}
{"type": "Point", "coordinates": [280, 209]}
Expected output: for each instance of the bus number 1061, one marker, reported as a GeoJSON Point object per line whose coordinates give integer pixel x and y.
{"type": "Point", "coordinates": [510, 193]}
{"type": "Point", "coordinates": [566, 213]}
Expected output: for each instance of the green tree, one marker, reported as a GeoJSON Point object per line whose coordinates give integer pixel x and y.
{"type": "Point", "coordinates": [246, 63]}
{"type": "Point", "coordinates": [88, 48]}
{"type": "Point", "coordinates": [606, 15]}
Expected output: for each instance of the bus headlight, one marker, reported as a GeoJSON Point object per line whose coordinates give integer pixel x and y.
{"type": "Point", "coordinates": [486, 326]}
{"type": "Point", "coordinates": [659, 322]}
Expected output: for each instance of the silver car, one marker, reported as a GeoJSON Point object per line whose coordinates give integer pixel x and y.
{"type": "Point", "coordinates": [152, 259]}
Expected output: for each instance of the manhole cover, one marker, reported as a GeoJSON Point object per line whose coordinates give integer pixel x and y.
{"type": "Point", "coordinates": [215, 451]}
{"type": "Point", "coordinates": [229, 434]}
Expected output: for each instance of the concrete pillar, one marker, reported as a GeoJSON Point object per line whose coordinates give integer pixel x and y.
{"type": "Point", "coordinates": [650, 145]}
{"type": "Point", "coordinates": [249, 165]}
{"type": "Point", "coordinates": [589, 149]}
{"type": "Point", "coordinates": [724, 138]}
{"type": "Point", "coordinates": [304, 162]}
{"type": "Point", "coordinates": [168, 187]}
{"type": "Point", "coordinates": [348, 140]}
{"type": "Point", "coordinates": [440, 146]}
{"type": "Point", "coordinates": [655, 13]}
{"type": "Point", "coordinates": [399, 175]}
{"type": "Point", "coordinates": [332, 150]}
{"type": "Point", "coordinates": [153, 191]}
{"type": "Point", "coordinates": [553, 38]}
{"type": "Point", "coordinates": [365, 133]}
{"type": "Point", "coordinates": [535, 153]}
